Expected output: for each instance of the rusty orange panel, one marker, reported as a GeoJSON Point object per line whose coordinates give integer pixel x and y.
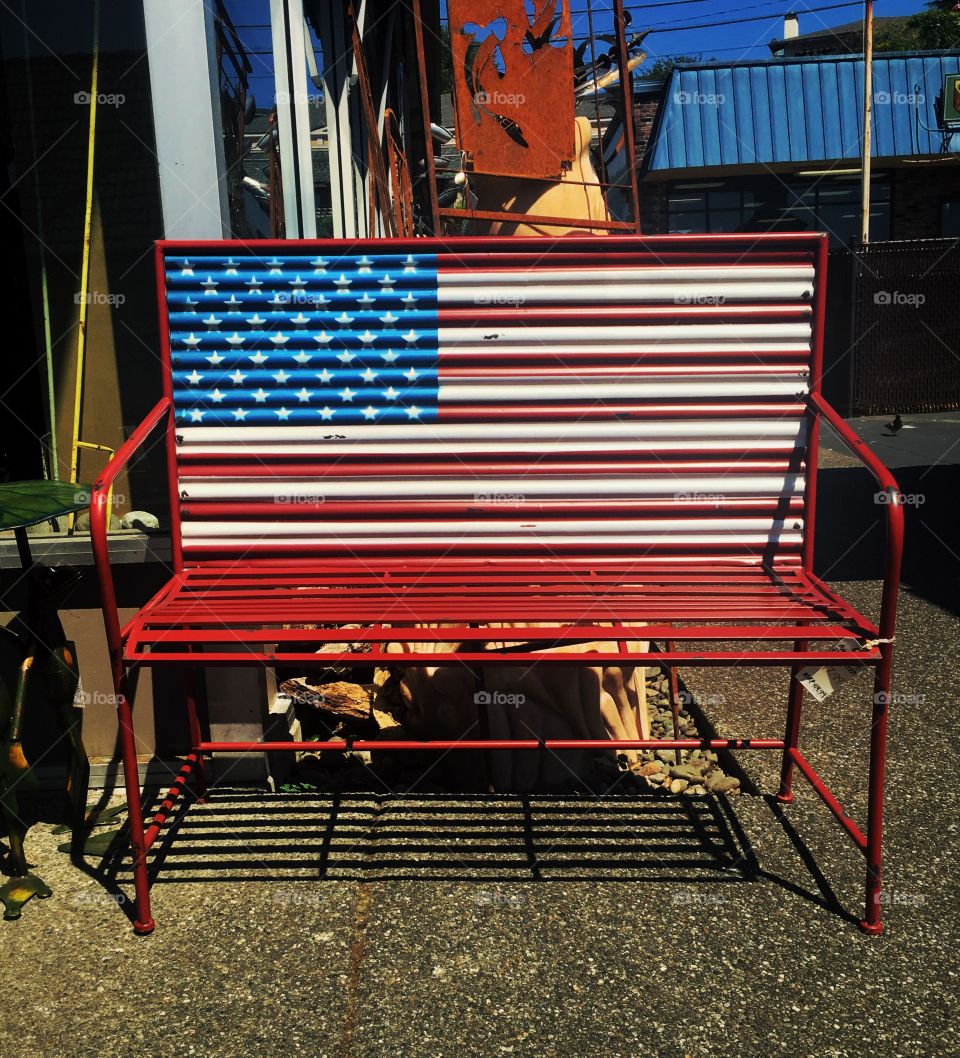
{"type": "Point", "coordinates": [513, 85]}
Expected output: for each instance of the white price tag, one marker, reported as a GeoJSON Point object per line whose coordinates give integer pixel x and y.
{"type": "Point", "coordinates": [823, 681]}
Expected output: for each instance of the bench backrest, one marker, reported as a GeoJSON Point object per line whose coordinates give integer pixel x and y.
{"type": "Point", "coordinates": [640, 397]}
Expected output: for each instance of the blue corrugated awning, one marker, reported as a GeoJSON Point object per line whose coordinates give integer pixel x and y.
{"type": "Point", "coordinates": [802, 110]}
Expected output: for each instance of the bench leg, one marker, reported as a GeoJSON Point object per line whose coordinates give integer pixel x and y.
{"type": "Point", "coordinates": [878, 747]}
{"type": "Point", "coordinates": [196, 734]}
{"type": "Point", "coordinates": [792, 736]}
{"type": "Point", "coordinates": [142, 921]}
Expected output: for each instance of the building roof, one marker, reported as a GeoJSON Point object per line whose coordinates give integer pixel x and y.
{"type": "Point", "coordinates": [834, 39]}
{"type": "Point", "coordinates": [798, 110]}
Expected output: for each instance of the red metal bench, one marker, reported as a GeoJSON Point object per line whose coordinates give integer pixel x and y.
{"type": "Point", "coordinates": [576, 433]}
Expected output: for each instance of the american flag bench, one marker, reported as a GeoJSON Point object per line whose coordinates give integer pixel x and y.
{"type": "Point", "coordinates": [421, 437]}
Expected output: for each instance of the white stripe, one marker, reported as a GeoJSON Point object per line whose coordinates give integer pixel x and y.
{"type": "Point", "coordinates": [562, 431]}
{"type": "Point", "coordinates": [590, 334]}
{"type": "Point", "coordinates": [447, 540]}
{"type": "Point", "coordinates": [509, 391]}
{"type": "Point", "coordinates": [607, 274]}
{"type": "Point", "coordinates": [212, 527]}
{"type": "Point", "coordinates": [488, 489]}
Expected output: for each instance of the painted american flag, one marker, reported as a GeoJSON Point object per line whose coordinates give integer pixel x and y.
{"type": "Point", "coordinates": [304, 340]}
{"type": "Point", "coordinates": [405, 338]}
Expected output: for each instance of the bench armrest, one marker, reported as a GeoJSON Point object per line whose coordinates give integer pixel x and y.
{"type": "Point", "coordinates": [99, 515]}
{"type": "Point", "coordinates": [893, 548]}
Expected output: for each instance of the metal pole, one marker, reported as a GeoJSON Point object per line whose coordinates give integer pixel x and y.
{"type": "Point", "coordinates": [867, 111]}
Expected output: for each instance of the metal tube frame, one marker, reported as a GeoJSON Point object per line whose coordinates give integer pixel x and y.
{"type": "Point", "coordinates": [878, 653]}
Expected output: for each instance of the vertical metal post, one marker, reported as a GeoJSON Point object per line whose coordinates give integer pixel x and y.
{"type": "Point", "coordinates": [626, 86]}
{"type": "Point", "coordinates": [867, 113]}
{"type": "Point", "coordinates": [293, 98]}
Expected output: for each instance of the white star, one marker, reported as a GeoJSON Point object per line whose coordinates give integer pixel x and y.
{"type": "Point", "coordinates": [390, 394]}
{"type": "Point", "coordinates": [212, 321]}
{"type": "Point", "coordinates": [346, 356]}
{"type": "Point", "coordinates": [196, 415]}
{"type": "Point", "coordinates": [303, 396]}
{"type": "Point", "coordinates": [237, 377]}
{"type": "Point", "coordinates": [299, 319]}
{"type": "Point", "coordinates": [216, 396]}
{"type": "Point", "coordinates": [239, 414]}
{"type": "Point", "coordinates": [280, 339]}
{"type": "Point", "coordinates": [256, 320]}
{"type": "Point", "coordinates": [193, 378]}
{"type": "Point", "coordinates": [389, 356]}
{"type": "Point", "coordinates": [259, 357]}
{"type": "Point", "coordinates": [343, 319]}
{"type": "Point", "coordinates": [192, 341]}
{"type": "Point", "coordinates": [364, 264]}
{"type": "Point", "coordinates": [409, 265]}
{"type": "Point", "coordinates": [411, 374]}
{"type": "Point", "coordinates": [387, 283]}
{"type": "Point", "coordinates": [369, 412]}
{"type": "Point", "coordinates": [389, 318]}
{"type": "Point", "coordinates": [367, 338]}
{"type": "Point", "coordinates": [326, 413]}
{"type": "Point", "coordinates": [323, 337]}
{"type": "Point", "coordinates": [214, 358]}
{"type": "Point", "coordinates": [260, 396]}
{"type": "Point", "coordinates": [410, 336]}
{"type": "Point", "coordinates": [369, 375]}
{"type": "Point", "coordinates": [366, 299]}
{"type": "Point", "coordinates": [236, 339]}
{"type": "Point", "coordinates": [347, 394]}
{"type": "Point", "coordinates": [413, 411]}
{"type": "Point", "coordinates": [342, 281]}
{"type": "Point", "coordinates": [319, 264]}
{"type": "Point", "coordinates": [324, 375]}
{"type": "Point", "coordinates": [302, 357]}
{"type": "Point", "coordinates": [282, 413]}
{"type": "Point", "coordinates": [253, 282]}
{"type": "Point", "coordinates": [281, 376]}
{"type": "Point", "coordinates": [209, 282]}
